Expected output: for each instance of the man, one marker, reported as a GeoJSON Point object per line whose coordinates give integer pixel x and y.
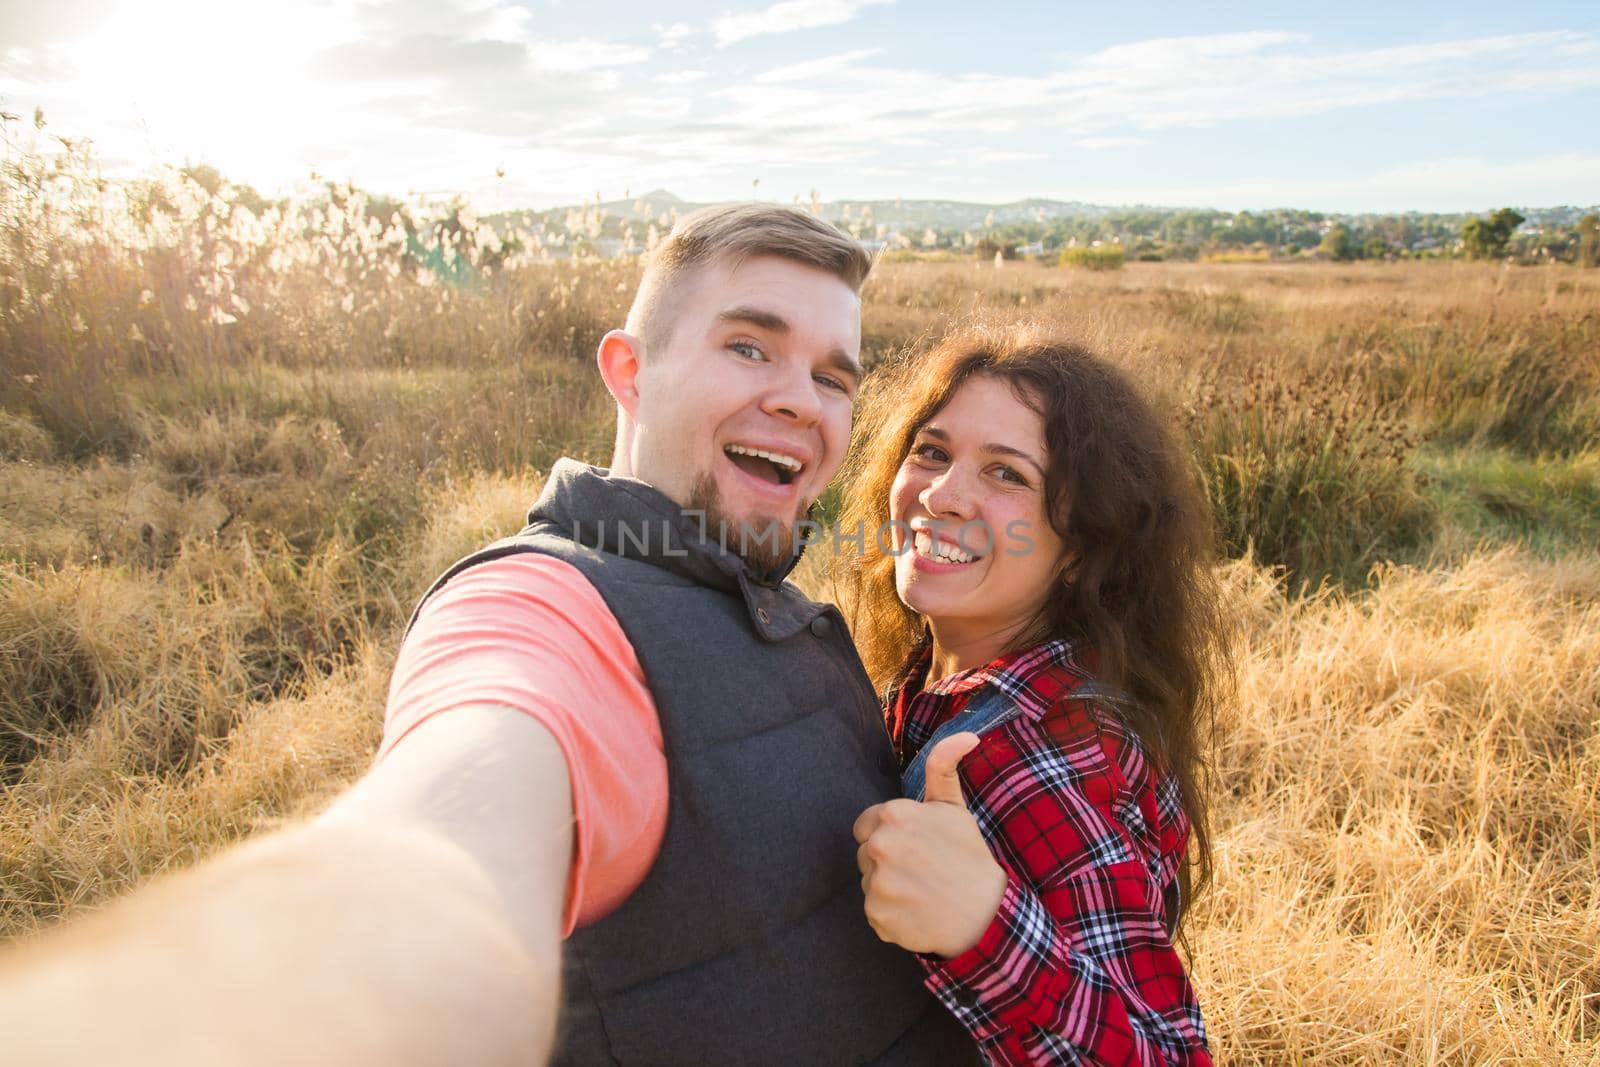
{"type": "Point", "coordinates": [619, 727]}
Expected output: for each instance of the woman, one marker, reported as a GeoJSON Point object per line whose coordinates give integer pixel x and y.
{"type": "Point", "coordinates": [1042, 582]}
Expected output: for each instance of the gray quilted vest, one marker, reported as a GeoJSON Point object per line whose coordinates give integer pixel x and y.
{"type": "Point", "coordinates": [746, 942]}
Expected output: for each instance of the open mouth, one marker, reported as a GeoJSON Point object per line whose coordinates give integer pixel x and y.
{"type": "Point", "coordinates": [773, 467]}
{"type": "Point", "coordinates": [941, 551]}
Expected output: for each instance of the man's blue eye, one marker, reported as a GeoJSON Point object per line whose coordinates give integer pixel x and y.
{"type": "Point", "coordinates": [747, 350]}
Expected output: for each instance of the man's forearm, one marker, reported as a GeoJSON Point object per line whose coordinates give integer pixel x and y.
{"type": "Point", "coordinates": [335, 942]}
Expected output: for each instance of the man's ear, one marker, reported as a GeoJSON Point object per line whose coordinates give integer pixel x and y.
{"type": "Point", "coordinates": [621, 357]}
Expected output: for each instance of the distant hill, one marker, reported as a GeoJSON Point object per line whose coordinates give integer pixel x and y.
{"type": "Point", "coordinates": [1042, 227]}
{"type": "Point", "coordinates": [914, 216]}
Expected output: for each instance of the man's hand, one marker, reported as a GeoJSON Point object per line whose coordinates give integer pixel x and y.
{"type": "Point", "coordinates": [930, 881]}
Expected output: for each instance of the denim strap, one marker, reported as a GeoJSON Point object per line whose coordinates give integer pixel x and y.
{"type": "Point", "coordinates": [984, 712]}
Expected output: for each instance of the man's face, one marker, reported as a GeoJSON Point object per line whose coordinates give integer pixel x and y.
{"type": "Point", "coordinates": [745, 411]}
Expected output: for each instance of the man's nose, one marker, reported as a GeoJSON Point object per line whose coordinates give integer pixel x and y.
{"type": "Point", "coordinates": [794, 397]}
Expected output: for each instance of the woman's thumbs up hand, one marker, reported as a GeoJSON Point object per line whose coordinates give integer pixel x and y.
{"type": "Point", "coordinates": [930, 882]}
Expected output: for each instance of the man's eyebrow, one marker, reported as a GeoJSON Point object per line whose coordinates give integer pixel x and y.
{"type": "Point", "coordinates": [838, 358]}
{"type": "Point", "coordinates": [766, 320]}
{"type": "Point", "coordinates": [997, 449]}
{"type": "Point", "coordinates": [845, 363]}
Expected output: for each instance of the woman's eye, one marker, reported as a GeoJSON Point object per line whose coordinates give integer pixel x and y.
{"type": "Point", "coordinates": [1009, 475]}
{"type": "Point", "coordinates": [932, 453]}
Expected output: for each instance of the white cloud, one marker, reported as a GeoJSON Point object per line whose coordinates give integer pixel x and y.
{"type": "Point", "coordinates": [671, 37]}
{"type": "Point", "coordinates": [661, 108]}
{"type": "Point", "coordinates": [1107, 98]}
{"type": "Point", "coordinates": [1169, 56]}
{"type": "Point", "coordinates": [1110, 142]}
{"type": "Point", "coordinates": [1008, 157]}
{"type": "Point", "coordinates": [787, 17]}
{"type": "Point", "coordinates": [584, 55]}
{"type": "Point", "coordinates": [681, 77]}
{"type": "Point", "coordinates": [36, 23]}
{"type": "Point", "coordinates": [382, 20]}
{"type": "Point", "coordinates": [1192, 81]}
{"type": "Point", "coordinates": [809, 69]}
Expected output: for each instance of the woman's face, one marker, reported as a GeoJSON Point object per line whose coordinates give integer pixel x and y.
{"type": "Point", "coordinates": [983, 556]}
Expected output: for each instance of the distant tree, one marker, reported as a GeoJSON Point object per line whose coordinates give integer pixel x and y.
{"type": "Point", "coordinates": [1338, 243]}
{"type": "Point", "coordinates": [1397, 231]}
{"type": "Point", "coordinates": [1375, 248]}
{"type": "Point", "coordinates": [1589, 241]}
{"type": "Point", "coordinates": [989, 247]}
{"type": "Point", "coordinates": [1487, 238]}
{"type": "Point", "coordinates": [205, 176]}
{"type": "Point", "coordinates": [1506, 221]}
{"type": "Point", "coordinates": [211, 180]}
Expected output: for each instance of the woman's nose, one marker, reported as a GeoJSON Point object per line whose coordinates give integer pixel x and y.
{"type": "Point", "coordinates": [947, 494]}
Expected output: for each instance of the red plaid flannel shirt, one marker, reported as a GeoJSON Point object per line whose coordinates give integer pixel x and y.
{"type": "Point", "coordinates": [1078, 965]}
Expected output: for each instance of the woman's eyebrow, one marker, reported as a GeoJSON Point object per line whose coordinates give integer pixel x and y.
{"type": "Point", "coordinates": [1007, 450]}
{"type": "Point", "coordinates": [997, 449]}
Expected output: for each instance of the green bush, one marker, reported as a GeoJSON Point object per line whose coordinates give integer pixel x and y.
{"type": "Point", "coordinates": [1483, 380]}
{"type": "Point", "coordinates": [1106, 257]}
{"type": "Point", "coordinates": [1303, 471]}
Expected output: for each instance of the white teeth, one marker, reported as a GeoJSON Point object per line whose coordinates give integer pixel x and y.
{"type": "Point", "coordinates": [788, 463]}
{"type": "Point", "coordinates": [941, 550]}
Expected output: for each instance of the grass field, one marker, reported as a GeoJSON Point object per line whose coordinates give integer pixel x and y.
{"type": "Point", "coordinates": [233, 452]}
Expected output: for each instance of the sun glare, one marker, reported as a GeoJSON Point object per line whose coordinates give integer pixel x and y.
{"type": "Point", "coordinates": [238, 86]}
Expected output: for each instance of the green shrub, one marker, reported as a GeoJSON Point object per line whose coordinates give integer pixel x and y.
{"type": "Point", "coordinates": [1478, 379]}
{"type": "Point", "coordinates": [1105, 257]}
{"type": "Point", "coordinates": [1550, 503]}
{"type": "Point", "coordinates": [1305, 473]}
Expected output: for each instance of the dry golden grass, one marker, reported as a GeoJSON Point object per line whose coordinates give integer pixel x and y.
{"type": "Point", "coordinates": [233, 451]}
{"type": "Point", "coordinates": [1407, 861]}
{"type": "Point", "coordinates": [212, 703]}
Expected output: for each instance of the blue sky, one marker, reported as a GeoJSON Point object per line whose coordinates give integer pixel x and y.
{"type": "Point", "coordinates": [1362, 107]}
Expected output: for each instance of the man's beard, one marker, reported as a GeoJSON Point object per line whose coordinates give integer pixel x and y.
{"type": "Point", "coordinates": [766, 545]}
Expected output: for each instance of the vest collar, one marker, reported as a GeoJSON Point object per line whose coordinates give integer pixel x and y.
{"type": "Point", "coordinates": [632, 519]}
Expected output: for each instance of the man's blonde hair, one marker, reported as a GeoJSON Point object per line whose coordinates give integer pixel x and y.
{"type": "Point", "coordinates": [730, 234]}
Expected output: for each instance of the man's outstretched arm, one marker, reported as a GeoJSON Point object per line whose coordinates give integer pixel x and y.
{"type": "Point", "coordinates": [416, 922]}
